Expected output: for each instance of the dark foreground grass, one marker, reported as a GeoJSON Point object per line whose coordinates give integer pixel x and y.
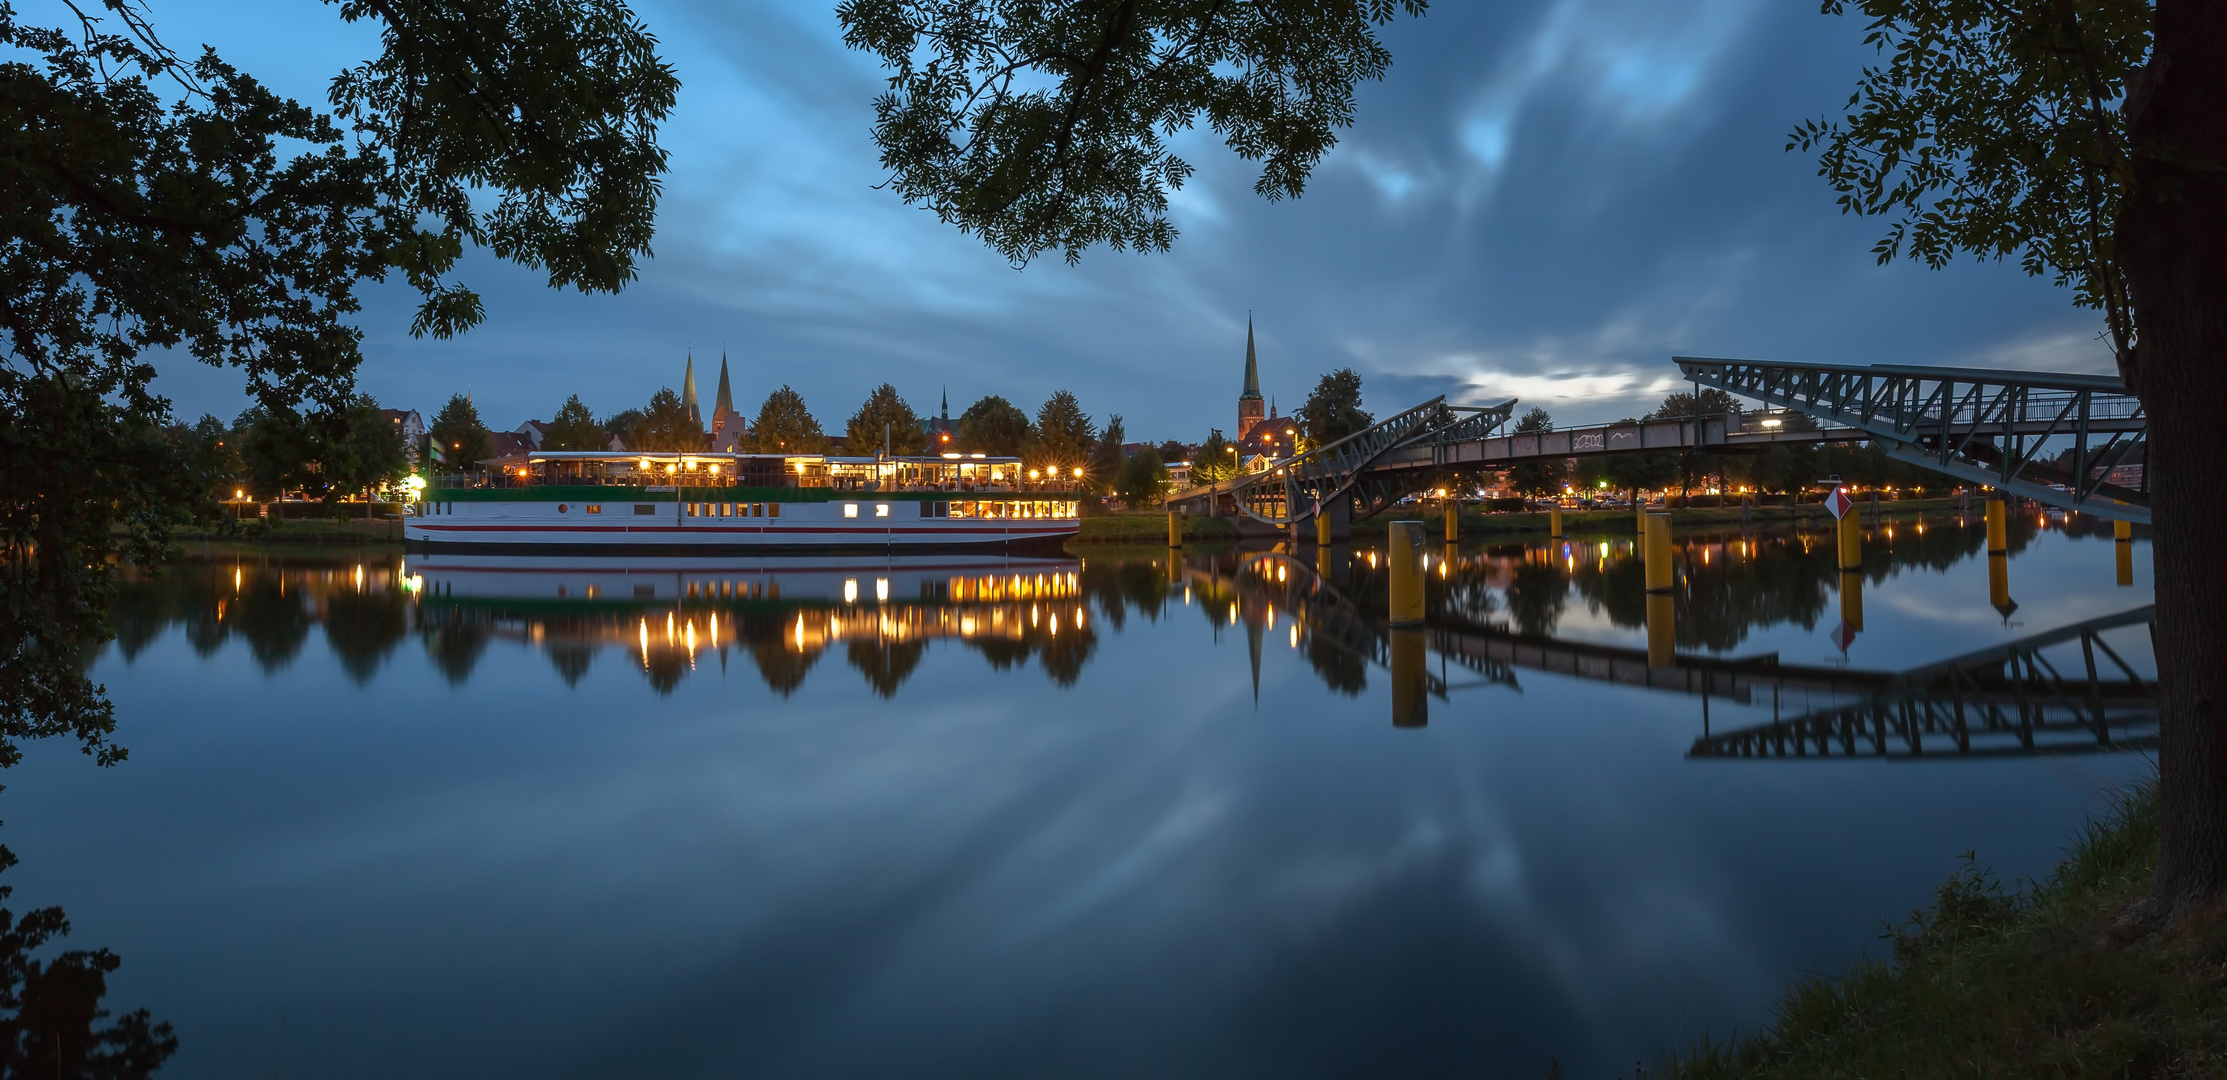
{"type": "Point", "coordinates": [1996, 982]}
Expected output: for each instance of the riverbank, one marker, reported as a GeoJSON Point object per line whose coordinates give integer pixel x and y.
{"type": "Point", "coordinates": [320, 531]}
{"type": "Point", "coordinates": [1132, 527]}
{"type": "Point", "coordinates": [1988, 981]}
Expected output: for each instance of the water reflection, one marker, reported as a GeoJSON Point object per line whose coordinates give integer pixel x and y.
{"type": "Point", "coordinates": [1491, 611]}
{"type": "Point", "coordinates": [52, 1020]}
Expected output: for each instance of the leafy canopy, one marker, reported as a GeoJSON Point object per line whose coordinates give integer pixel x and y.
{"type": "Point", "coordinates": [785, 426]}
{"type": "Point", "coordinates": [1044, 126]}
{"type": "Point", "coordinates": [996, 426]}
{"type": "Point", "coordinates": [1993, 129]}
{"type": "Point", "coordinates": [1333, 411]}
{"type": "Point", "coordinates": [885, 411]}
{"type": "Point", "coordinates": [1064, 433]}
{"type": "Point", "coordinates": [665, 426]}
{"type": "Point", "coordinates": [574, 428]}
{"type": "Point", "coordinates": [458, 438]}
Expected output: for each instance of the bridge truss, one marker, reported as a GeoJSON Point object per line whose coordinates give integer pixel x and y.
{"type": "Point", "coordinates": [2008, 699]}
{"type": "Point", "coordinates": [2005, 429]}
{"type": "Point", "coordinates": [1301, 486]}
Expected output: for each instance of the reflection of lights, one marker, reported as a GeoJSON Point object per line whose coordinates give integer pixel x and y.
{"type": "Point", "coordinates": [1295, 635]}
{"type": "Point", "coordinates": [881, 589]}
{"type": "Point", "coordinates": [800, 632]}
{"type": "Point", "coordinates": [359, 577]}
{"type": "Point", "coordinates": [1186, 596]}
{"type": "Point", "coordinates": [235, 579]}
{"type": "Point", "coordinates": [1233, 614]}
{"type": "Point", "coordinates": [668, 628]}
{"type": "Point", "coordinates": [1033, 614]}
{"type": "Point", "coordinates": [1055, 624]}
{"type": "Point", "coordinates": [1271, 616]}
{"type": "Point", "coordinates": [713, 623]}
{"type": "Point", "coordinates": [1078, 618]}
{"type": "Point", "coordinates": [645, 640]}
{"type": "Point", "coordinates": [691, 637]}
{"type": "Point", "coordinates": [966, 625]}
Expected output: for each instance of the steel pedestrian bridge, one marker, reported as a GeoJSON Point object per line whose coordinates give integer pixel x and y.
{"type": "Point", "coordinates": [2051, 437]}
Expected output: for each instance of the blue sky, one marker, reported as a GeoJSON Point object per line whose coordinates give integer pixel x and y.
{"type": "Point", "coordinates": [1544, 198]}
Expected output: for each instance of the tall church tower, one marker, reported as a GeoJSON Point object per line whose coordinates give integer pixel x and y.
{"type": "Point", "coordinates": [688, 394]}
{"type": "Point", "coordinates": [1249, 403]}
{"type": "Point", "coordinates": [726, 424]}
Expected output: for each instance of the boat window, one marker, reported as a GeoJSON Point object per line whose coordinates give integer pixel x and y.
{"type": "Point", "coordinates": [850, 510]}
{"type": "Point", "coordinates": [757, 509]}
{"type": "Point", "coordinates": [726, 509]}
{"type": "Point", "coordinates": [774, 510]}
{"type": "Point", "coordinates": [595, 508]}
{"type": "Point", "coordinates": [644, 509]}
{"type": "Point", "coordinates": [927, 509]}
{"type": "Point", "coordinates": [881, 509]}
{"type": "Point", "coordinates": [562, 508]}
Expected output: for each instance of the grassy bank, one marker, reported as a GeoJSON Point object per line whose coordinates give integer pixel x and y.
{"type": "Point", "coordinates": [1150, 528]}
{"type": "Point", "coordinates": [1992, 982]}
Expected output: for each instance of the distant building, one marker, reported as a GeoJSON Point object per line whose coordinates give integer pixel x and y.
{"type": "Point", "coordinates": [1267, 437]}
{"type": "Point", "coordinates": [1179, 474]}
{"type": "Point", "coordinates": [533, 431]}
{"type": "Point", "coordinates": [940, 428]}
{"type": "Point", "coordinates": [727, 426]}
{"type": "Point", "coordinates": [508, 444]}
{"type": "Point", "coordinates": [412, 428]}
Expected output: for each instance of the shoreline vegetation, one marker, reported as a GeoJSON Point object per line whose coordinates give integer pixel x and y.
{"type": "Point", "coordinates": [2034, 979]}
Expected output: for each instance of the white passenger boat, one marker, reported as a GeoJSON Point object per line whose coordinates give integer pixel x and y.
{"type": "Point", "coordinates": [731, 503]}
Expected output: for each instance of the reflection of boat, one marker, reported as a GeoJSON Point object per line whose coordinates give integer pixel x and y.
{"type": "Point", "coordinates": [720, 503]}
{"type": "Point", "coordinates": [607, 583]}
{"type": "Point", "coordinates": [785, 612]}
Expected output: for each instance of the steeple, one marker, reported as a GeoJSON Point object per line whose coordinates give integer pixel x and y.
{"type": "Point", "coordinates": [688, 393]}
{"type": "Point", "coordinates": [1248, 403]}
{"type": "Point", "coordinates": [947, 404]}
{"type": "Point", "coordinates": [724, 400]}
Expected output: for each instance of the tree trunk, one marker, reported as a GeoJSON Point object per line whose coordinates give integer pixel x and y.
{"type": "Point", "coordinates": [2172, 241]}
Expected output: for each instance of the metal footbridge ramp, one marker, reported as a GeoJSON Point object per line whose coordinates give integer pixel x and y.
{"type": "Point", "coordinates": [1359, 466]}
{"type": "Point", "coordinates": [2054, 438]}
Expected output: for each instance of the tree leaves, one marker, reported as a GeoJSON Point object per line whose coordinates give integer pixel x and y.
{"type": "Point", "coordinates": [1042, 125]}
{"type": "Point", "coordinates": [1993, 129]}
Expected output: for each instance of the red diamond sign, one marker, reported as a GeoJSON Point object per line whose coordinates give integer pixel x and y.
{"type": "Point", "coordinates": [1844, 636]}
{"type": "Point", "coordinates": [1839, 503]}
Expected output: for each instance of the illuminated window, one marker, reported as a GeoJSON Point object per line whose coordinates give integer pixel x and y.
{"type": "Point", "coordinates": [595, 508]}
{"type": "Point", "coordinates": [881, 509]}
{"type": "Point", "coordinates": [850, 510]}
{"type": "Point", "coordinates": [774, 510]}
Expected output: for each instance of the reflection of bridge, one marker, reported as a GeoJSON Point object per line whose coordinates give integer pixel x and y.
{"type": "Point", "coordinates": [2008, 699]}
{"type": "Point", "coordinates": [2054, 438]}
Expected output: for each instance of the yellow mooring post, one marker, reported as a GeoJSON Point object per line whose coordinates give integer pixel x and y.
{"type": "Point", "coordinates": [1554, 523]}
{"type": "Point", "coordinates": [2123, 532]}
{"type": "Point", "coordinates": [1851, 542]}
{"type": "Point", "coordinates": [1852, 599]}
{"type": "Point", "coordinates": [1641, 505]}
{"type": "Point", "coordinates": [1998, 528]}
{"type": "Point", "coordinates": [1175, 529]}
{"type": "Point", "coordinates": [1998, 586]}
{"type": "Point", "coordinates": [1453, 522]}
{"type": "Point", "coordinates": [1404, 550]}
{"type": "Point", "coordinates": [1411, 698]}
{"type": "Point", "coordinates": [1662, 637]}
{"type": "Point", "coordinates": [1657, 546]}
{"type": "Point", "coordinates": [1322, 530]}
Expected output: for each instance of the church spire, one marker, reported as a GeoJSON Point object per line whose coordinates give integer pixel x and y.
{"type": "Point", "coordinates": [722, 402]}
{"type": "Point", "coordinates": [1248, 403]}
{"type": "Point", "coordinates": [688, 393]}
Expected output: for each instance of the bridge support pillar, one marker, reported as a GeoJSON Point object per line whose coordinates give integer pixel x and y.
{"type": "Point", "coordinates": [1411, 696]}
{"type": "Point", "coordinates": [1340, 515]}
{"type": "Point", "coordinates": [1998, 527]}
{"type": "Point", "coordinates": [1404, 550]}
{"type": "Point", "coordinates": [1851, 542]}
{"type": "Point", "coordinates": [1656, 542]}
{"type": "Point", "coordinates": [1662, 636]}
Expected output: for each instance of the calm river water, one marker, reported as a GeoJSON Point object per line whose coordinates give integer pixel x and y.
{"type": "Point", "coordinates": [1092, 816]}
